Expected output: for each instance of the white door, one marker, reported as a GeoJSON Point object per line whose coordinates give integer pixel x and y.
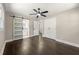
{"type": "Point", "coordinates": [25, 28]}
{"type": "Point", "coordinates": [36, 28]}
{"type": "Point", "coordinates": [50, 28]}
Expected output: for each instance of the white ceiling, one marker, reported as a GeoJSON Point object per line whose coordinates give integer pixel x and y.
{"type": "Point", "coordinates": [26, 9]}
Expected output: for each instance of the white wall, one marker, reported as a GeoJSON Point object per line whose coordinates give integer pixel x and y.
{"type": "Point", "coordinates": [1, 41]}
{"type": "Point", "coordinates": [8, 26]}
{"type": "Point", "coordinates": [50, 28]}
{"type": "Point", "coordinates": [67, 26]}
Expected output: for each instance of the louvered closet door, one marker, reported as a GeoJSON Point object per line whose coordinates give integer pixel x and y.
{"type": "Point", "coordinates": [17, 28]}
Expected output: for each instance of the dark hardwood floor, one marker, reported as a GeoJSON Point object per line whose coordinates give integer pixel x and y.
{"type": "Point", "coordinates": [35, 46]}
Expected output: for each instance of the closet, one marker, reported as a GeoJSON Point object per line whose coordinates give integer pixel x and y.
{"type": "Point", "coordinates": [20, 28]}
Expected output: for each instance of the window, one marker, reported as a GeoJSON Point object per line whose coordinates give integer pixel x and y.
{"type": "Point", "coordinates": [1, 19]}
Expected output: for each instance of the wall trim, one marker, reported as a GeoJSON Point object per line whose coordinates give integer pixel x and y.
{"type": "Point", "coordinates": [11, 40]}
{"type": "Point", "coordinates": [3, 47]}
{"type": "Point", "coordinates": [66, 42]}
{"type": "Point", "coordinates": [18, 39]}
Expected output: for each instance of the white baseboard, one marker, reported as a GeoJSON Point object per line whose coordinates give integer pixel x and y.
{"type": "Point", "coordinates": [3, 47]}
{"type": "Point", "coordinates": [50, 37]}
{"type": "Point", "coordinates": [18, 38]}
{"type": "Point", "coordinates": [11, 40]}
{"type": "Point", "coordinates": [66, 42]}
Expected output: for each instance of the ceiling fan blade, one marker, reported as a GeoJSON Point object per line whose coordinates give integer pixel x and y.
{"type": "Point", "coordinates": [33, 14]}
{"type": "Point", "coordinates": [38, 8]}
{"type": "Point", "coordinates": [45, 12]}
{"type": "Point", "coordinates": [35, 10]}
{"type": "Point", "coordinates": [12, 16]}
{"type": "Point", "coordinates": [44, 15]}
{"type": "Point", "coordinates": [37, 16]}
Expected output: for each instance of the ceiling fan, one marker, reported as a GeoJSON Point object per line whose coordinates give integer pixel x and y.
{"type": "Point", "coordinates": [38, 13]}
